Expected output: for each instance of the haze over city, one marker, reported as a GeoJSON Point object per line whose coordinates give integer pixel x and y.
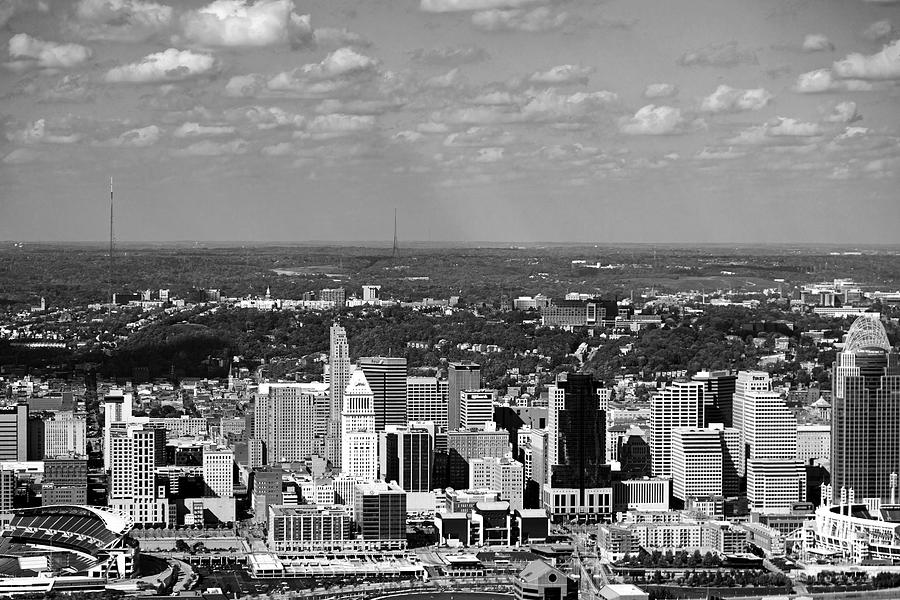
{"type": "Point", "coordinates": [518, 120]}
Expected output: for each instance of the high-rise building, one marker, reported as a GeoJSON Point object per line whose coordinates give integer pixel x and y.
{"type": "Point", "coordinates": [338, 377]}
{"type": "Point", "coordinates": [285, 418]}
{"type": "Point", "coordinates": [466, 444]}
{"type": "Point", "coordinates": [476, 407]}
{"type": "Point", "coordinates": [406, 455]}
{"type": "Point", "coordinates": [336, 295]}
{"type": "Point", "coordinates": [460, 376]}
{"type": "Point", "coordinates": [504, 475]}
{"type": "Point", "coordinates": [703, 463]}
{"type": "Point", "coordinates": [387, 378]}
{"type": "Point", "coordinates": [380, 515]}
{"type": "Point", "coordinates": [134, 457]}
{"type": "Point", "coordinates": [117, 414]}
{"type": "Point", "coordinates": [426, 400]}
{"type": "Point", "coordinates": [218, 472]}
{"type": "Point", "coordinates": [679, 405]}
{"type": "Point", "coordinates": [14, 432]}
{"type": "Point", "coordinates": [65, 434]}
{"type": "Point", "coordinates": [359, 441]}
{"type": "Point", "coordinates": [718, 396]}
{"type": "Point", "coordinates": [865, 445]}
{"type": "Point", "coordinates": [746, 382]}
{"type": "Point", "coordinates": [65, 481]}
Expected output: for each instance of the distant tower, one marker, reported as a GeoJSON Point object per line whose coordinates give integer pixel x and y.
{"type": "Point", "coordinates": [396, 251]}
{"type": "Point", "coordinates": [110, 279]}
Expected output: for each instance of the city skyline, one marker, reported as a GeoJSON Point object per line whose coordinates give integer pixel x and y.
{"type": "Point", "coordinates": [552, 122]}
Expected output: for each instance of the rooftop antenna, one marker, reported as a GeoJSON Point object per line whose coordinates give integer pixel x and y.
{"type": "Point", "coordinates": [396, 250]}
{"type": "Point", "coordinates": [111, 233]}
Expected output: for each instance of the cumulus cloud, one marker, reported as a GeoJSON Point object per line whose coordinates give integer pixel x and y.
{"type": "Point", "coordinates": [450, 55]}
{"type": "Point", "coordinates": [562, 75]}
{"type": "Point", "coordinates": [441, 6]}
{"type": "Point", "coordinates": [212, 148]}
{"type": "Point", "coordinates": [653, 120]}
{"type": "Point", "coordinates": [21, 156]}
{"type": "Point", "coordinates": [40, 132]}
{"type": "Point", "coordinates": [660, 90]}
{"type": "Point", "coordinates": [119, 20]}
{"type": "Point", "coordinates": [70, 88]}
{"type": "Point", "coordinates": [718, 55]}
{"type": "Point", "coordinates": [823, 80]}
{"type": "Point", "coordinates": [136, 138]}
{"type": "Point", "coordinates": [169, 65]}
{"type": "Point", "coordinates": [729, 99]}
{"type": "Point", "coordinates": [878, 30]}
{"type": "Point", "coordinates": [881, 65]}
{"type": "Point", "coordinates": [448, 80]}
{"type": "Point", "coordinates": [489, 155]}
{"type": "Point", "coordinates": [333, 38]}
{"type": "Point", "coordinates": [407, 136]}
{"type": "Point", "coordinates": [536, 20]}
{"type": "Point", "coordinates": [357, 107]}
{"type": "Point", "coordinates": [239, 23]}
{"type": "Point", "coordinates": [719, 154]}
{"type": "Point", "coordinates": [816, 42]}
{"type": "Point", "coordinates": [781, 127]}
{"type": "Point", "coordinates": [340, 69]}
{"type": "Point", "coordinates": [533, 106]}
{"type": "Point", "coordinates": [32, 52]}
{"type": "Point", "coordinates": [844, 112]}
{"type": "Point", "coordinates": [336, 125]}
{"type": "Point", "coordinates": [479, 137]}
{"type": "Point", "coordinates": [265, 117]}
{"type": "Point", "coordinates": [191, 129]}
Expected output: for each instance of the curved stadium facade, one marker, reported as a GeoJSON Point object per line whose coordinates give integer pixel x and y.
{"type": "Point", "coordinates": [65, 547]}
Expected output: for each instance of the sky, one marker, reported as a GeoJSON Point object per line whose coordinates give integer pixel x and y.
{"type": "Point", "coordinates": [708, 121]}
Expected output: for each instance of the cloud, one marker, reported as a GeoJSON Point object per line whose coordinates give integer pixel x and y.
{"type": "Point", "coordinates": [489, 155]}
{"type": "Point", "coordinates": [441, 6]}
{"type": "Point", "coordinates": [432, 127]}
{"type": "Point", "coordinates": [357, 107]}
{"type": "Point", "coordinates": [333, 38]}
{"type": "Point", "coordinates": [70, 88]}
{"type": "Point", "coordinates": [169, 65]}
{"type": "Point", "coordinates": [21, 156]}
{"type": "Point", "coordinates": [781, 127]}
{"type": "Point", "coordinates": [653, 120]}
{"type": "Point", "coordinates": [823, 80]}
{"type": "Point", "coordinates": [729, 99]}
{"type": "Point", "coordinates": [119, 20]}
{"type": "Point", "coordinates": [336, 125]}
{"type": "Point", "coordinates": [211, 148]}
{"type": "Point", "coordinates": [660, 90]}
{"type": "Point", "coordinates": [878, 30]}
{"type": "Point", "coordinates": [449, 79]}
{"type": "Point", "coordinates": [719, 154]}
{"type": "Point", "coordinates": [844, 112]}
{"type": "Point", "coordinates": [881, 65]}
{"type": "Point", "coordinates": [479, 137]}
{"type": "Point", "coordinates": [339, 70]}
{"type": "Point", "coordinates": [136, 138]}
{"type": "Point", "coordinates": [265, 117]}
{"type": "Point", "coordinates": [450, 55]}
{"type": "Point", "coordinates": [191, 129]}
{"type": "Point", "coordinates": [32, 52]}
{"type": "Point", "coordinates": [279, 149]}
{"type": "Point", "coordinates": [39, 132]}
{"type": "Point", "coordinates": [816, 42]}
{"type": "Point", "coordinates": [532, 106]}
{"type": "Point", "coordinates": [535, 20]}
{"type": "Point", "coordinates": [562, 75]}
{"type": "Point", "coordinates": [408, 136]}
{"type": "Point", "coordinates": [238, 23]}
{"type": "Point", "coordinates": [718, 55]}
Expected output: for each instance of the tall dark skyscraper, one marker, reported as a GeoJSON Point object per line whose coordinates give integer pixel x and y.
{"type": "Point", "coordinates": [865, 421]}
{"type": "Point", "coordinates": [387, 378]}
{"type": "Point", "coordinates": [460, 376]}
{"type": "Point", "coordinates": [580, 437]}
{"type": "Point", "coordinates": [718, 396]}
{"type": "Point", "coordinates": [339, 376]}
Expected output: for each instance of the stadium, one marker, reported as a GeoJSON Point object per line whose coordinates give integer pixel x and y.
{"type": "Point", "coordinates": [65, 548]}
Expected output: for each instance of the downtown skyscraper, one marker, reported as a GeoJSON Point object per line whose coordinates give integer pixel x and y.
{"type": "Point", "coordinates": [339, 377]}
{"type": "Point", "coordinates": [461, 376]}
{"type": "Point", "coordinates": [387, 378]}
{"type": "Point", "coordinates": [865, 422]}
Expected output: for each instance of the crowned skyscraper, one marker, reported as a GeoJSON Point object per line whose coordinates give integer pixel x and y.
{"type": "Point", "coordinates": [339, 377]}
{"type": "Point", "coordinates": [865, 445]}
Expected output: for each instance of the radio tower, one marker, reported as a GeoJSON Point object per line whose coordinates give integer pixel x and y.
{"type": "Point", "coordinates": [396, 249]}
{"type": "Point", "coordinates": [110, 274]}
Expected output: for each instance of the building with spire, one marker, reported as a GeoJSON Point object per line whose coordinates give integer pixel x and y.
{"type": "Point", "coordinates": [359, 441]}
{"type": "Point", "coordinates": [338, 378]}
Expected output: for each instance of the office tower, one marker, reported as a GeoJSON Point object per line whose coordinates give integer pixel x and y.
{"type": "Point", "coordinates": [284, 419]}
{"type": "Point", "coordinates": [865, 444]}
{"type": "Point", "coordinates": [134, 456]}
{"type": "Point", "coordinates": [703, 462]}
{"type": "Point", "coordinates": [775, 486]}
{"type": "Point", "coordinates": [339, 376]}
{"type": "Point", "coordinates": [679, 405]}
{"type": "Point", "coordinates": [256, 453]}
{"type": "Point", "coordinates": [460, 376]}
{"type": "Point", "coordinates": [379, 511]}
{"type": "Point", "coordinates": [218, 472]}
{"type": "Point", "coordinates": [464, 445]}
{"type": "Point", "coordinates": [266, 489]}
{"type": "Point", "coordinates": [387, 379]}
{"type": "Point", "coordinates": [14, 432]}
{"type": "Point", "coordinates": [814, 443]}
{"type": "Point", "coordinates": [336, 295]}
{"type": "Point", "coordinates": [359, 441]}
{"type": "Point", "coordinates": [7, 490]}
{"type": "Point", "coordinates": [504, 475]}
{"type": "Point", "coordinates": [426, 400]}
{"type": "Point", "coordinates": [65, 434]}
{"type": "Point", "coordinates": [370, 293]}
{"type": "Point", "coordinates": [476, 407]}
{"type": "Point", "coordinates": [718, 396]}
{"type": "Point", "coordinates": [117, 413]}
{"type": "Point", "coordinates": [65, 481]}
{"type": "Point", "coordinates": [746, 382]}
{"type": "Point", "coordinates": [579, 438]}
{"type": "Point", "coordinates": [406, 455]}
